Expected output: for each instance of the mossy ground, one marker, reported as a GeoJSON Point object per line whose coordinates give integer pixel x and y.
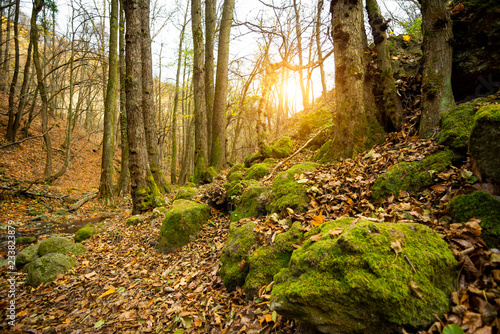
{"type": "Point", "coordinates": [411, 176]}
{"type": "Point", "coordinates": [321, 154]}
{"type": "Point", "coordinates": [239, 244]}
{"type": "Point", "coordinates": [252, 203]}
{"type": "Point", "coordinates": [287, 193]}
{"type": "Point", "coordinates": [482, 206]}
{"type": "Point", "coordinates": [354, 282]}
{"type": "Point", "coordinates": [235, 173]}
{"type": "Point", "coordinates": [282, 148]}
{"type": "Point", "coordinates": [257, 171]}
{"type": "Point", "coordinates": [181, 224]}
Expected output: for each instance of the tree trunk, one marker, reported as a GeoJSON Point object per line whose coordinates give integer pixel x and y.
{"type": "Point", "coordinates": [218, 156]}
{"type": "Point", "coordinates": [12, 93]}
{"type": "Point", "coordinates": [106, 183]}
{"type": "Point", "coordinates": [144, 189]}
{"type": "Point", "coordinates": [124, 179]}
{"type": "Point", "coordinates": [437, 95]}
{"type": "Point", "coordinates": [147, 102]}
{"type": "Point", "coordinates": [23, 96]}
{"type": "Point", "coordinates": [2, 75]}
{"type": "Point", "coordinates": [6, 55]}
{"type": "Point", "coordinates": [305, 94]}
{"type": "Point", "coordinates": [355, 126]}
{"type": "Point", "coordinates": [390, 104]}
{"type": "Point", "coordinates": [210, 21]}
{"type": "Point", "coordinates": [37, 7]}
{"type": "Point", "coordinates": [200, 115]}
{"type": "Point", "coordinates": [317, 34]}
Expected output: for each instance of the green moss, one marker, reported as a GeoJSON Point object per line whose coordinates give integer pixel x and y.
{"type": "Point", "coordinates": [287, 193]}
{"type": "Point", "coordinates": [482, 206]}
{"type": "Point", "coordinates": [321, 155]}
{"type": "Point", "coordinates": [25, 240]}
{"type": "Point", "coordinates": [152, 195]}
{"type": "Point", "coordinates": [187, 192]}
{"type": "Point", "coordinates": [134, 220]}
{"type": "Point", "coordinates": [267, 261]}
{"type": "Point", "coordinates": [210, 174]}
{"type": "Point", "coordinates": [282, 148]}
{"type": "Point", "coordinates": [86, 232]}
{"type": "Point", "coordinates": [253, 158]}
{"type": "Point", "coordinates": [235, 173]}
{"type": "Point", "coordinates": [490, 112]}
{"type": "Point", "coordinates": [257, 172]}
{"type": "Point", "coordinates": [27, 255]}
{"type": "Point", "coordinates": [181, 224]}
{"type": "Point", "coordinates": [252, 203]}
{"type": "Point", "coordinates": [46, 268]}
{"type": "Point", "coordinates": [354, 282]}
{"type": "Point", "coordinates": [60, 245]}
{"type": "Point", "coordinates": [269, 161]}
{"type": "Point", "coordinates": [411, 176]}
{"type": "Point", "coordinates": [239, 244]}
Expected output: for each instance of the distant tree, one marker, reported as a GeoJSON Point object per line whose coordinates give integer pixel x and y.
{"type": "Point", "coordinates": [210, 23]}
{"type": "Point", "coordinates": [12, 92]}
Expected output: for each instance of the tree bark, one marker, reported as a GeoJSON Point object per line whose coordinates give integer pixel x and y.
{"type": "Point", "coordinates": [437, 95]}
{"type": "Point", "coordinates": [390, 104]}
{"type": "Point", "coordinates": [200, 114]}
{"type": "Point", "coordinates": [12, 93]}
{"type": "Point", "coordinates": [106, 183]}
{"type": "Point", "coordinates": [218, 156]}
{"type": "Point", "coordinates": [210, 21]}
{"type": "Point", "coordinates": [355, 126]}
{"type": "Point", "coordinates": [317, 34]}
{"type": "Point", "coordinates": [305, 93]}
{"type": "Point", "coordinates": [6, 55]}
{"type": "Point", "coordinates": [147, 102]}
{"type": "Point", "coordinates": [23, 96]}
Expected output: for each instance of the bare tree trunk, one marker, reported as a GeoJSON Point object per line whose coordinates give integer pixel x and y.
{"type": "Point", "coordinates": [106, 183]}
{"type": "Point", "coordinates": [317, 34]}
{"type": "Point", "coordinates": [210, 21]}
{"type": "Point", "coordinates": [437, 95]}
{"type": "Point", "coordinates": [390, 104]}
{"type": "Point", "coordinates": [12, 93]}
{"type": "Point", "coordinates": [355, 125]}
{"type": "Point", "coordinates": [200, 114]}
{"type": "Point", "coordinates": [23, 97]}
{"type": "Point", "coordinates": [147, 102]}
{"type": "Point", "coordinates": [218, 156]}
{"type": "Point", "coordinates": [305, 93]}
{"type": "Point", "coordinates": [7, 48]}
{"type": "Point", "coordinates": [2, 75]}
{"type": "Point", "coordinates": [37, 7]}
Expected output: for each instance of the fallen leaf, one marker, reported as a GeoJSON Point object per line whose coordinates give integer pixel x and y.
{"type": "Point", "coordinates": [99, 323]}
{"type": "Point", "coordinates": [474, 227]}
{"type": "Point", "coordinates": [336, 231]}
{"type": "Point", "coordinates": [107, 293]}
{"type": "Point", "coordinates": [317, 220]}
{"type": "Point", "coordinates": [315, 237]}
{"type": "Point", "coordinates": [396, 247]}
{"type": "Point", "coordinates": [415, 288]}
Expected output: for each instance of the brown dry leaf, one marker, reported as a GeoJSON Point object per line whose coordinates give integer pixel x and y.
{"type": "Point", "coordinates": [315, 237]}
{"type": "Point", "coordinates": [317, 220]}
{"type": "Point", "coordinates": [336, 231]}
{"type": "Point", "coordinates": [415, 288]}
{"type": "Point", "coordinates": [474, 227]}
{"type": "Point", "coordinates": [242, 264]}
{"type": "Point", "coordinates": [473, 320]}
{"type": "Point", "coordinates": [396, 247]}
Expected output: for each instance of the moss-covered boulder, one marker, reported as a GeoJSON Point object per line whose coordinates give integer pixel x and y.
{"type": "Point", "coordinates": [234, 267]}
{"type": "Point", "coordinates": [60, 245]}
{"type": "Point", "coordinates": [86, 232]}
{"type": "Point", "coordinates": [254, 158]}
{"type": "Point", "coordinates": [159, 212]}
{"type": "Point", "coordinates": [257, 171]}
{"type": "Point", "coordinates": [321, 154]}
{"type": "Point", "coordinates": [359, 279]}
{"type": "Point", "coordinates": [282, 148]}
{"type": "Point", "coordinates": [287, 192]}
{"type": "Point", "coordinates": [181, 224]}
{"type": "Point", "coordinates": [235, 173]}
{"type": "Point", "coordinates": [27, 255]}
{"type": "Point", "coordinates": [411, 176]}
{"type": "Point", "coordinates": [252, 203]}
{"type": "Point", "coordinates": [482, 206]}
{"type": "Point", "coordinates": [235, 189]}
{"type": "Point", "coordinates": [209, 174]}
{"type": "Point", "coordinates": [46, 268]}
{"type": "Point", "coordinates": [187, 192]}
{"type": "Point", "coordinates": [134, 220]}
{"type": "Point", "coordinates": [25, 240]}
{"type": "Point", "coordinates": [456, 125]}
{"type": "Point", "coordinates": [484, 143]}
{"type": "Point", "coordinates": [267, 261]}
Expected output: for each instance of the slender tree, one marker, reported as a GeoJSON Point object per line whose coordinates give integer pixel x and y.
{"type": "Point", "coordinates": [437, 95]}
{"type": "Point", "coordinates": [218, 156]}
{"type": "Point", "coordinates": [12, 93]}
{"type": "Point", "coordinates": [200, 115]}
{"type": "Point", "coordinates": [317, 37]}
{"type": "Point", "coordinates": [210, 22]}
{"type": "Point", "coordinates": [106, 183]}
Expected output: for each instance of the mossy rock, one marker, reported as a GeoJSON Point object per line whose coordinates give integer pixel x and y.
{"type": "Point", "coordinates": [321, 155]}
{"type": "Point", "coordinates": [235, 173]}
{"type": "Point", "coordinates": [484, 143]}
{"type": "Point", "coordinates": [60, 245]}
{"type": "Point", "coordinates": [456, 126]}
{"type": "Point", "coordinates": [482, 206]}
{"type": "Point", "coordinates": [46, 268]}
{"type": "Point", "coordinates": [86, 232]}
{"type": "Point", "coordinates": [181, 224]}
{"type": "Point", "coordinates": [267, 261]}
{"type": "Point", "coordinates": [254, 158]}
{"type": "Point", "coordinates": [257, 171]}
{"type": "Point", "coordinates": [33, 212]}
{"type": "Point", "coordinates": [411, 176]}
{"type": "Point", "coordinates": [61, 212]}
{"type": "Point", "coordinates": [252, 203]}
{"type": "Point", "coordinates": [159, 212]}
{"type": "Point", "coordinates": [354, 282]}
{"type": "Point", "coordinates": [269, 161]}
{"type": "Point", "coordinates": [236, 188]}
{"type": "Point", "coordinates": [134, 220]}
{"type": "Point", "coordinates": [27, 255]}
{"type": "Point", "coordinates": [25, 240]}
{"type": "Point", "coordinates": [287, 193]}
{"type": "Point", "coordinates": [210, 174]}
{"type": "Point", "coordinates": [233, 257]}
{"type": "Point", "coordinates": [282, 148]}
{"type": "Point", "coordinates": [187, 192]}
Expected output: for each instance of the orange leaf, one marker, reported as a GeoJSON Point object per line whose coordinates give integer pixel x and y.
{"type": "Point", "coordinates": [107, 293]}
{"type": "Point", "coordinates": [317, 220]}
{"type": "Point", "coordinates": [315, 237]}
{"type": "Point", "coordinates": [474, 227]}
{"type": "Point", "coordinates": [20, 314]}
{"type": "Point", "coordinates": [336, 231]}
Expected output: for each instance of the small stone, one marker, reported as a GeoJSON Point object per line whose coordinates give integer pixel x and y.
{"type": "Point", "coordinates": [25, 240]}
{"type": "Point", "coordinates": [61, 212]}
{"type": "Point", "coordinates": [43, 216]}
{"type": "Point", "coordinates": [135, 220]}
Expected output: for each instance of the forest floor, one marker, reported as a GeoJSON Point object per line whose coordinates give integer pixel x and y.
{"type": "Point", "coordinates": [122, 284]}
